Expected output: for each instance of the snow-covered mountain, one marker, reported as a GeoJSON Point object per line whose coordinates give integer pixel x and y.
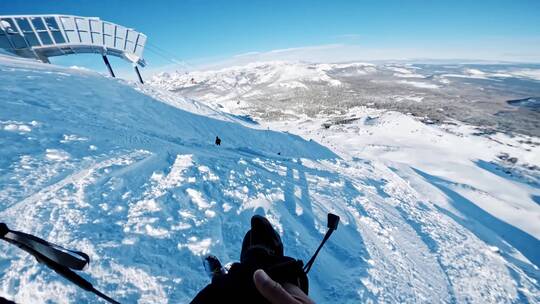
{"type": "Point", "coordinates": [130, 175]}
{"type": "Point", "coordinates": [473, 93]}
{"type": "Point", "coordinates": [230, 87]}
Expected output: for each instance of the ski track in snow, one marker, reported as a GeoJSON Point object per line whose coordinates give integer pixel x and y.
{"type": "Point", "coordinates": [147, 203]}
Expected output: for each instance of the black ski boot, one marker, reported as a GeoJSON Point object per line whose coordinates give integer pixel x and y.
{"type": "Point", "coordinates": [261, 237]}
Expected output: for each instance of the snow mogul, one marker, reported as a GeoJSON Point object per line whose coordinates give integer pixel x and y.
{"type": "Point", "coordinates": [263, 275]}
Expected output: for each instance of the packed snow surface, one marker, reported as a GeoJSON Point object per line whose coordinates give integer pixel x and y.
{"type": "Point", "coordinates": [130, 175]}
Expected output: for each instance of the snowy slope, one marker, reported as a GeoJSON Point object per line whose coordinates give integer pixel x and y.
{"type": "Point", "coordinates": [130, 175]}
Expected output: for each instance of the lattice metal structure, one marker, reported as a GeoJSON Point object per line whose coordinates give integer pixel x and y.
{"type": "Point", "coordinates": [44, 36]}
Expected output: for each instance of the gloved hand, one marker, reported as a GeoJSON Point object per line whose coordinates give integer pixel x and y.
{"type": "Point", "coordinates": [275, 293]}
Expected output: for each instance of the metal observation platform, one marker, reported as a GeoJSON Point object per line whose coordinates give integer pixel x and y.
{"type": "Point", "coordinates": [44, 36]}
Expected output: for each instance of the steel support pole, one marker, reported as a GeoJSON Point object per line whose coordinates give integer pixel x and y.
{"type": "Point", "coordinates": [138, 74]}
{"type": "Point", "coordinates": [106, 60]}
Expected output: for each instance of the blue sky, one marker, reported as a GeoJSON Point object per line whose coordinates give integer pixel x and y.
{"type": "Point", "coordinates": [202, 32]}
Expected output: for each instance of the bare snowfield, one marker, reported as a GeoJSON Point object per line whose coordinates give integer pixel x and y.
{"type": "Point", "coordinates": [129, 174]}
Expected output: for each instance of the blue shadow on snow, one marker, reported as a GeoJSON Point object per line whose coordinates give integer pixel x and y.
{"type": "Point", "coordinates": [528, 245]}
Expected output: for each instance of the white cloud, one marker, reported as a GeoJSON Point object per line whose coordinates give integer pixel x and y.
{"type": "Point", "coordinates": [350, 37]}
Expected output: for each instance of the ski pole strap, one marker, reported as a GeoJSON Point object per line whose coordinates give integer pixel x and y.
{"type": "Point", "coordinates": [76, 260]}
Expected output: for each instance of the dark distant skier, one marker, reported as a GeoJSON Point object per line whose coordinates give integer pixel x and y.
{"type": "Point", "coordinates": [218, 141]}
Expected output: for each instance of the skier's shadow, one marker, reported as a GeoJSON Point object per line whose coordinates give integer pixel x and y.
{"type": "Point", "coordinates": [344, 258]}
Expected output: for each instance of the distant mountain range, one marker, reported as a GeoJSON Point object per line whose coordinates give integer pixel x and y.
{"type": "Point", "coordinates": [473, 93]}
